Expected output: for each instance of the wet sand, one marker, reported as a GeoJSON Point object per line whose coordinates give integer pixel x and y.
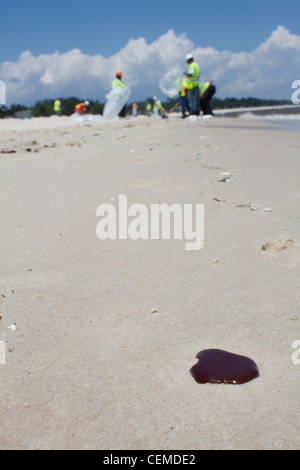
{"type": "Point", "coordinates": [107, 330]}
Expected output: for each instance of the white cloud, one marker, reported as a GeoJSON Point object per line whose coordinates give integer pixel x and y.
{"type": "Point", "coordinates": [266, 72]}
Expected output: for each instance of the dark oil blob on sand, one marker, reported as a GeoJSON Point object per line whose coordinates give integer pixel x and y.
{"type": "Point", "coordinates": [217, 366]}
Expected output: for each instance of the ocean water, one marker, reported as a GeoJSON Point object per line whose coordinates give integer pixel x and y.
{"type": "Point", "coordinates": [282, 122]}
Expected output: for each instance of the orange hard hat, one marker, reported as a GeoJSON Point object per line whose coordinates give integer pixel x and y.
{"type": "Point", "coordinates": [119, 73]}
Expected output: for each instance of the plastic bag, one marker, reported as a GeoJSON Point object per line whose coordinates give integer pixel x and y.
{"type": "Point", "coordinates": [86, 117]}
{"type": "Point", "coordinates": [170, 83]}
{"type": "Point", "coordinates": [116, 99]}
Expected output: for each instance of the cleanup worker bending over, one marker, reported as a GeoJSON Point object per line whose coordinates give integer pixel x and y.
{"type": "Point", "coordinates": [207, 90]}
{"type": "Point", "coordinates": [80, 108]}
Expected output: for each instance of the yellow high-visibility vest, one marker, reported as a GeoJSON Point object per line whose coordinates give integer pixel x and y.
{"type": "Point", "coordinates": [119, 82]}
{"type": "Point", "coordinates": [57, 106]}
{"type": "Point", "coordinates": [203, 87]}
{"type": "Point", "coordinates": [194, 72]}
{"type": "Point", "coordinates": [185, 85]}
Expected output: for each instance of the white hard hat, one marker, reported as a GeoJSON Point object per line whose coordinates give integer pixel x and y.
{"type": "Point", "coordinates": [87, 103]}
{"type": "Point", "coordinates": [188, 57]}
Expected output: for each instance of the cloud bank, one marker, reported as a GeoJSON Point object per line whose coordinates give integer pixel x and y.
{"type": "Point", "coordinates": [266, 72]}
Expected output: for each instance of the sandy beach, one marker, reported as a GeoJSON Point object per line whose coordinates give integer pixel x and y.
{"type": "Point", "coordinates": [106, 331]}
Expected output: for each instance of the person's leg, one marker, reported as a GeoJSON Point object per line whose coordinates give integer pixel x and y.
{"type": "Point", "coordinates": [197, 98]}
{"type": "Point", "coordinates": [183, 102]}
{"type": "Point", "coordinates": [194, 100]}
{"type": "Point", "coordinates": [122, 113]}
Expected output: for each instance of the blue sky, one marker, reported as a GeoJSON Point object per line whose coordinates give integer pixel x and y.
{"type": "Point", "coordinates": [104, 28]}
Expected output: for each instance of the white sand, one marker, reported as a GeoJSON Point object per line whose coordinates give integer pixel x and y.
{"type": "Point", "coordinates": [108, 330]}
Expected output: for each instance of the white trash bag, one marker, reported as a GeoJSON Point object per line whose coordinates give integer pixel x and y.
{"type": "Point", "coordinates": [170, 83]}
{"type": "Point", "coordinates": [116, 99]}
{"type": "Point", "coordinates": [86, 117]}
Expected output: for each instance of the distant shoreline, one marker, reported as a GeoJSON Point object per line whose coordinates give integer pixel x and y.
{"type": "Point", "coordinates": [261, 111]}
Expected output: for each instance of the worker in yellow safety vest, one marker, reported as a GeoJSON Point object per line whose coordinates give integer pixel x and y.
{"type": "Point", "coordinates": [157, 106]}
{"type": "Point", "coordinates": [117, 83]}
{"type": "Point", "coordinates": [193, 93]}
{"type": "Point", "coordinates": [207, 90]}
{"type": "Point", "coordinates": [185, 85]}
{"type": "Point", "coordinates": [183, 102]}
{"type": "Point", "coordinates": [57, 107]}
{"type": "Point", "coordinates": [149, 109]}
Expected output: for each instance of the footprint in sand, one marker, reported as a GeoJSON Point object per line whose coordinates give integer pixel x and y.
{"type": "Point", "coordinates": [274, 246]}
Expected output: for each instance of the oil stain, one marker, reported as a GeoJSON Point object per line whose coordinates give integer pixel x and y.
{"type": "Point", "coordinates": [218, 366]}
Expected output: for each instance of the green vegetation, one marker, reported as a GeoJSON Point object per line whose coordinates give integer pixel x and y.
{"type": "Point", "coordinates": [229, 103]}
{"type": "Point", "coordinates": [45, 107]}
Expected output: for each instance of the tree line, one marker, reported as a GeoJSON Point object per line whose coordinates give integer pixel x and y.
{"type": "Point", "coordinates": [44, 108]}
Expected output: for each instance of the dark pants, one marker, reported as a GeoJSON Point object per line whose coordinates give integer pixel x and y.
{"type": "Point", "coordinates": [184, 104]}
{"type": "Point", "coordinates": [122, 113]}
{"type": "Point", "coordinates": [205, 100]}
{"type": "Point", "coordinates": [193, 100]}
